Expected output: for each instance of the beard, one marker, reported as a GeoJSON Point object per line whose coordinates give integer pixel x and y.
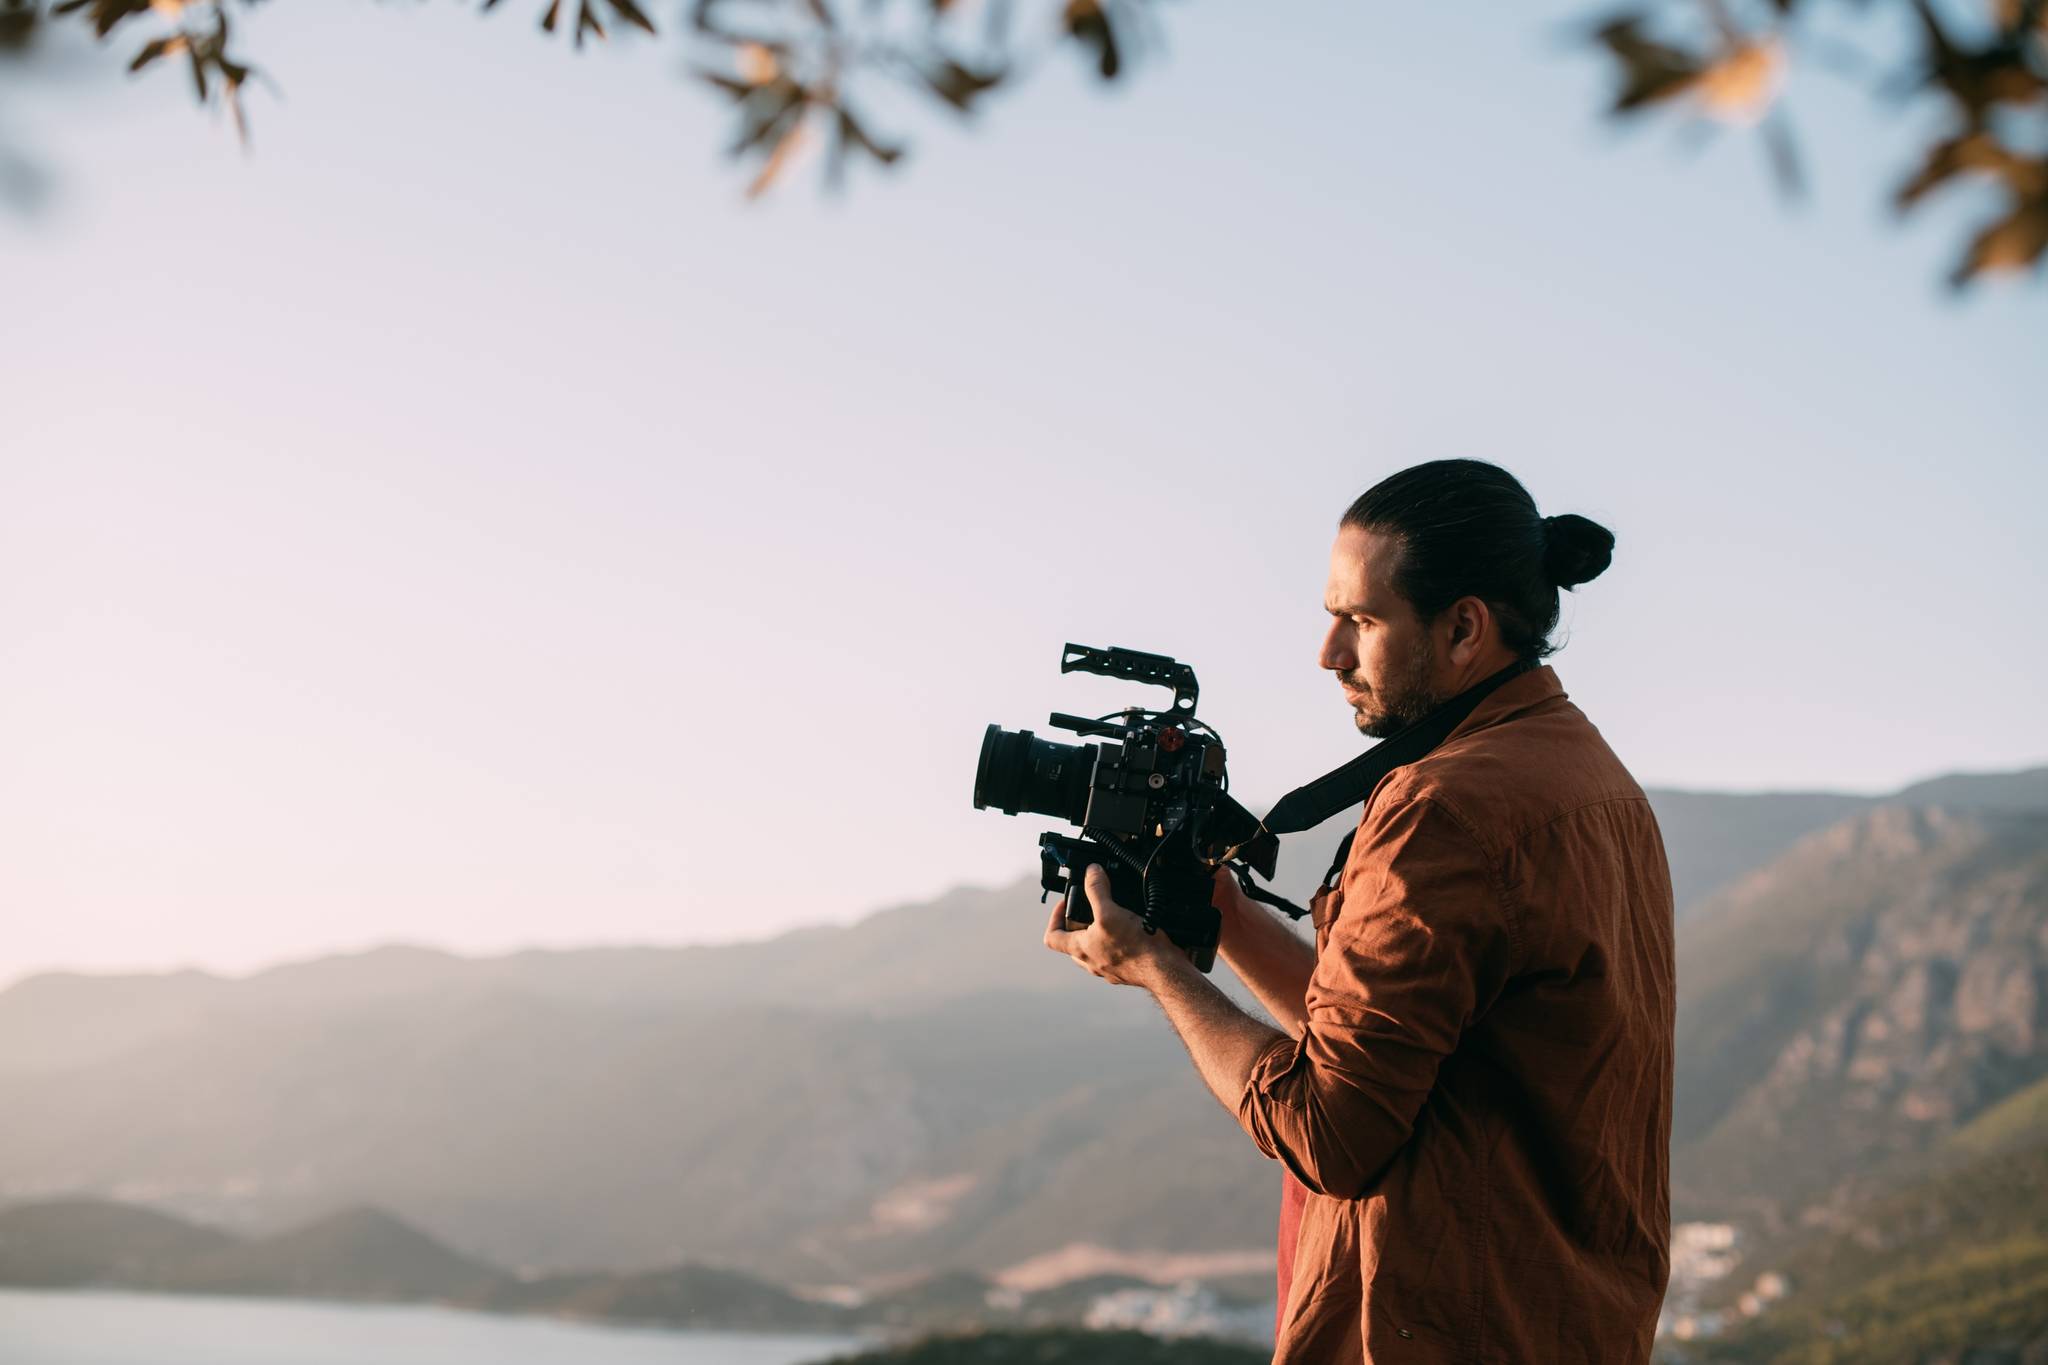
{"type": "Point", "coordinates": [1403, 697]}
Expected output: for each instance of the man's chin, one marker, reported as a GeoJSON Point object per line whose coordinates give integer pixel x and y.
{"type": "Point", "coordinates": [1379, 724]}
{"type": "Point", "coordinates": [1373, 725]}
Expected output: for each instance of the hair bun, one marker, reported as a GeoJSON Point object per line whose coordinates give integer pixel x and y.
{"type": "Point", "coordinates": [1575, 550]}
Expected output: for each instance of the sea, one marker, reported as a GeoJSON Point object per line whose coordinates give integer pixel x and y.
{"type": "Point", "coordinates": [93, 1327]}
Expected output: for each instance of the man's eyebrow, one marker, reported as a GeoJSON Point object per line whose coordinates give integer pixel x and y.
{"type": "Point", "coordinates": [1361, 609]}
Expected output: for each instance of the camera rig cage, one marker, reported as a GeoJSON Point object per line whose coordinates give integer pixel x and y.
{"type": "Point", "coordinates": [1152, 802]}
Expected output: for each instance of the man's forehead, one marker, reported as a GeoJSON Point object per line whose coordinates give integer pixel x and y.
{"type": "Point", "coordinates": [1361, 571]}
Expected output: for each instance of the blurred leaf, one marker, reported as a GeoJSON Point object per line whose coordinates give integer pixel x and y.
{"type": "Point", "coordinates": [17, 24]}
{"type": "Point", "coordinates": [1651, 71]}
{"type": "Point", "coordinates": [852, 132]}
{"type": "Point", "coordinates": [848, 132]}
{"type": "Point", "coordinates": [956, 84]}
{"type": "Point", "coordinates": [632, 14]}
{"type": "Point", "coordinates": [758, 63]}
{"type": "Point", "coordinates": [1975, 78]}
{"type": "Point", "coordinates": [1972, 151]}
{"type": "Point", "coordinates": [1741, 83]}
{"type": "Point", "coordinates": [739, 90]}
{"type": "Point", "coordinates": [1784, 156]}
{"type": "Point", "coordinates": [157, 48]}
{"type": "Point", "coordinates": [2009, 245]}
{"type": "Point", "coordinates": [787, 137]}
{"type": "Point", "coordinates": [1088, 24]}
{"type": "Point", "coordinates": [774, 108]}
{"type": "Point", "coordinates": [104, 14]}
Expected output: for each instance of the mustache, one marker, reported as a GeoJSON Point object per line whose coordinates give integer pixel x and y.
{"type": "Point", "coordinates": [1353, 681]}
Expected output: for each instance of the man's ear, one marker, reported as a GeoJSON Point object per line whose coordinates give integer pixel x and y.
{"type": "Point", "coordinates": [1471, 625]}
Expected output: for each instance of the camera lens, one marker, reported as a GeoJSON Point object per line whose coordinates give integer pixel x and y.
{"type": "Point", "coordinates": [1019, 772]}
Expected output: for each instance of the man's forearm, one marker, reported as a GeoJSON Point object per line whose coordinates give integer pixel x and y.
{"type": "Point", "coordinates": [1222, 1039]}
{"type": "Point", "coordinates": [1270, 959]}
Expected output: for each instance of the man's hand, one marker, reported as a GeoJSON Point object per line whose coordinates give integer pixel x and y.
{"type": "Point", "coordinates": [1223, 1040]}
{"type": "Point", "coordinates": [1115, 947]}
{"type": "Point", "coordinates": [1229, 898]}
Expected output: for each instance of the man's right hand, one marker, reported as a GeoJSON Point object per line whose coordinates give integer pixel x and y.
{"type": "Point", "coordinates": [1267, 955]}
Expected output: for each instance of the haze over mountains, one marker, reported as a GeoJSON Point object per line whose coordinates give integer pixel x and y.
{"type": "Point", "coordinates": [928, 1090]}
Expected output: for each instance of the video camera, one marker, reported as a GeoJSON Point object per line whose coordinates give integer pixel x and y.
{"type": "Point", "coordinates": [1152, 803]}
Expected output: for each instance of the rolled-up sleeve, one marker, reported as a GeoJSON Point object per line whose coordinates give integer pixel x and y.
{"type": "Point", "coordinates": [1421, 945]}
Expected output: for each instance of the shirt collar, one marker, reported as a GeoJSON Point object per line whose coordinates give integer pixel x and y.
{"type": "Point", "coordinates": [1512, 698]}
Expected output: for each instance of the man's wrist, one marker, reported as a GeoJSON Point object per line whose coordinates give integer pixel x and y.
{"type": "Point", "coordinates": [1167, 968]}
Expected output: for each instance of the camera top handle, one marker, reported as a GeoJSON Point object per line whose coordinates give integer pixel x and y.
{"type": "Point", "coordinates": [1116, 662]}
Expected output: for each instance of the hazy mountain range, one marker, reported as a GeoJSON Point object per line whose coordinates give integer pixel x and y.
{"type": "Point", "coordinates": [367, 1254]}
{"type": "Point", "coordinates": [1861, 980]}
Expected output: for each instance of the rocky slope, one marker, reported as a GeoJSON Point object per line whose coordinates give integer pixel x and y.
{"type": "Point", "coordinates": [1848, 1006]}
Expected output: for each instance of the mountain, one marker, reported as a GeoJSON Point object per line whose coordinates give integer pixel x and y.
{"type": "Point", "coordinates": [1953, 1266]}
{"type": "Point", "coordinates": [930, 1090]}
{"type": "Point", "coordinates": [1851, 1004]}
{"type": "Point", "coordinates": [365, 1254]}
{"type": "Point", "coordinates": [89, 1241]}
{"type": "Point", "coordinates": [358, 1253]}
{"type": "Point", "coordinates": [682, 1296]}
{"type": "Point", "coordinates": [557, 1133]}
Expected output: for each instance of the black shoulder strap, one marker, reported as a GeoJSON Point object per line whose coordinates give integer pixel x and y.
{"type": "Point", "coordinates": [1312, 803]}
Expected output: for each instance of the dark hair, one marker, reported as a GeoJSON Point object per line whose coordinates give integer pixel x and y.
{"type": "Point", "coordinates": [1469, 529]}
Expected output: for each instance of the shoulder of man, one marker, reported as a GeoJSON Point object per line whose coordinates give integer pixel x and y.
{"type": "Point", "coordinates": [1500, 781]}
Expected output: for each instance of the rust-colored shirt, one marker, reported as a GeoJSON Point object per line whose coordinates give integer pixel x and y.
{"type": "Point", "coordinates": [1479, 1107]}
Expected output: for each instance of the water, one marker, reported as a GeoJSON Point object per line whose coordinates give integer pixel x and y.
{"type": "Point", "coordinates": [89, 1327]}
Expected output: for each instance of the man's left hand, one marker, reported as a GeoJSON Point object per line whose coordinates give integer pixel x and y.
{"type": "Point", "coordinates": [1115, 947]}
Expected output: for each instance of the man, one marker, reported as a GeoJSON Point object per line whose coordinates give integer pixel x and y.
{"type": "Point", "coordinates": [1472, 1097]}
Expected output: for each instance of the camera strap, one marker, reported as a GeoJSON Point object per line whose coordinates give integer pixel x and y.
{"type": "Point", "coordinates": [1312, 803]}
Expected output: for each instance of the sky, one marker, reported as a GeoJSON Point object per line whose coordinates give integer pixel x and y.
{"type": "Point", "coordinates": [466, 520]}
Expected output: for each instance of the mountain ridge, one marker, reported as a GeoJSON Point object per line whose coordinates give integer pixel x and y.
{"type": "Point", "coordinates": [929, 1090]}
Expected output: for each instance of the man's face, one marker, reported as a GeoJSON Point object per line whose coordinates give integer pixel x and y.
{"type": "Point", "coordinates": [1383, 656]}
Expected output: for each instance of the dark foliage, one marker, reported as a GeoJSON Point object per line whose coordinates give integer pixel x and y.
{"type": "Point", "coordinates": [791, 70]}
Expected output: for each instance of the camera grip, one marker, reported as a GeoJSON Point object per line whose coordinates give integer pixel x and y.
{"type": "Point", "coordinates": [1079, 913]}
{"type": "Point", "coordinates": [1126, 886]}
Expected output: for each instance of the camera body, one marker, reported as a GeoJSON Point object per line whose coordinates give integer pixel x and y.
{"type": "Point", "coordinates": [1152, 802]}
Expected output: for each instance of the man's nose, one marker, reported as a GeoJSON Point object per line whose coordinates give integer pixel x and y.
{"type": "Point", "coordinates": [1337, 653]}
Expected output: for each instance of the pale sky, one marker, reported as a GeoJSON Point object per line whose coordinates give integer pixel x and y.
{"type": "Point", "coordinates": [465, 521]}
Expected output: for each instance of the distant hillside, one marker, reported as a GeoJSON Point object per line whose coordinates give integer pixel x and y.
{"type": "Point", "coordinates": [1712, 838]}
{"type": "Point", "coordinates": [360, 1253]}
{"type": "Point", "coordinates": [681, 1296]}
{"type": "Point", "coordinates": [808, 1145]}
{"type": "Point", "coordinates": [930, 1090]}
{"type": "Point", "coordinates": [357, 1253]}
{"type": "Point", "coordinates": [1953, 1267]}
{"type": "Point", "coordinates": [1859, 999]}
{"type": "Point", "coordinates": [70, 1242]}
{"type": "Point", "coordinates": [368, 1255]}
